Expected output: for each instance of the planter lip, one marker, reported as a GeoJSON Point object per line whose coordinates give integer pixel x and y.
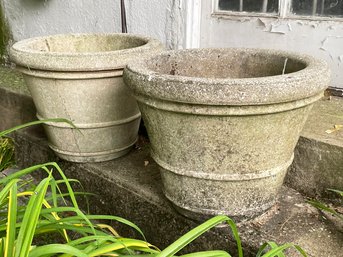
{"type": "Point", "coordinates": [23, 55]}
{"type": "Point", "coordinates": [304, 83]}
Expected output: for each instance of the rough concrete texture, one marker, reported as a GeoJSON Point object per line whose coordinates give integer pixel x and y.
{"type": "Point", "coordinates": [131, 187]}
{"type": "Point", "coordinates": [82, 52]}
{"type": "Point", "coordinates": [217, 150]}
{"type": "Point", "coordinates": [305, 174]}
{"type": "Point", "coordinates": [16, 105]}
{"type": "Point", "coordinates": [318, 163]}
{"type": "Point", "coordinates": [79, 77]}
{"type": "Point", "coordinates": [228, 73]}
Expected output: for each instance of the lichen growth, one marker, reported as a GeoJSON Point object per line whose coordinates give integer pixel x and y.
{"type": "Point", "coordinates": [12, 80]}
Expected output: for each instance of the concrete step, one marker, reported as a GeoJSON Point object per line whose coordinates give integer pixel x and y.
{"type": "Point", "coordinates": [318, 162]}
{"type": "Point", "coordinates": [131, 186]}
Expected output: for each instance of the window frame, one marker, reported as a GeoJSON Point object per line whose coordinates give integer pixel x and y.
{"type": "Point", "coordinates": [283, 13]}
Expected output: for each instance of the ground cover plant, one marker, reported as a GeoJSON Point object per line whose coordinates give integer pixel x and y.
{"type": "Point", "coordinates": [6, 153]}
{"type": "Point", "coordinates": [326, 208]}
{"type": "Point", "coordinates": [30, 209]}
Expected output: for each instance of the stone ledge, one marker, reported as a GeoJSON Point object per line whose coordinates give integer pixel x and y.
{"type": "Point", "coordinates": [128, 188]}
{"type": "Point", "coordinates": [318, 162]}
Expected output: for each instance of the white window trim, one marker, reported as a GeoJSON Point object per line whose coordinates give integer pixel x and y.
{"type": "Point", "coordinates": [193, 23]}
{"type": "Point", "coordinates": [284, 13]}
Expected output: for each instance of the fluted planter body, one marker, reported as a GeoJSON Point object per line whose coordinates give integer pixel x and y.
{"type": "Point", "coordinates": [223, 123]}
{"type": "Point", "coordinates": [79, 77]}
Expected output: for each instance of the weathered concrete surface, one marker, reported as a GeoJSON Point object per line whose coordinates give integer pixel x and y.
{"type": "Point", "coordinates": [223, 123]}
{"type": "Point", "coordinates": [305, 175]}
{"type": "Point", "coordinates": [16, 105]}
{"type": "Point", "coordinates": [131, 187]}
{"type": "Point", "coordinates": [69, 75]}
{"type": "Point", "coordinates": [318, 162]}
{"type": "Point", "coordinates": [128, 188]}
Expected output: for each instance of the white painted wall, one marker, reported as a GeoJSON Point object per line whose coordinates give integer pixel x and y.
{"type": "Point", "coordinates": [161, 19]}
{"type": "Point", "coordinates": [31, 18]}
{"type": "Point", "coordinates": [323, 39]}
{"type": "Point", "coordinates": [179, 24]}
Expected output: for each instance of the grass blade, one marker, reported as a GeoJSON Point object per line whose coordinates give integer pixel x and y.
{"type": "Point", "coordinates": [199, 230]}
{"type": "Point", "coordinates": [53, 249]}
{"type": "Point", "coordinates": [30, 219]}
{"type": "Point", "coordinates": [37, 122]}
{"type": "Point", "coordinates": [336, 191]}
{"type": "Point", "coordinates": [279, 249]}
{"type": "Point", "coordinates": [270, 244]}
{"type": "Point", "coordinates": [122, 244]}
{"type": "Point", "coordinates": [323, 207]}
{"type": "Point", "coordinates": [208, 254]}
{"type": "Point", "coordinates": [5, 191]}
{"type": "Point", "coordinates": [11, 222]}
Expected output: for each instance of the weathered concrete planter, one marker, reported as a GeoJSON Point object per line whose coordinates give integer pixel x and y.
{"type": "Point", "coordinates": [79, 77]}
{"type": "Point", "coordinates": [223, 123]}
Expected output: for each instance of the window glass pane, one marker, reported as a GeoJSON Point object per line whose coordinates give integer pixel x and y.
{"type": "Point", "coordinates": [318, 7]}
{"type": "Point", "coordinates": [267, 6]}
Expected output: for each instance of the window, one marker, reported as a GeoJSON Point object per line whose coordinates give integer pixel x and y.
{"type": "Point", "coordinates": [263, 6]}
{"type": "Point", "coordinates": [318, 8]}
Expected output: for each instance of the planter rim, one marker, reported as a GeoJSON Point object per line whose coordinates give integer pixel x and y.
{"type": "Point", "coordinates": [23, 55]}
{"type": "Point", "coordinates": [304, 83]}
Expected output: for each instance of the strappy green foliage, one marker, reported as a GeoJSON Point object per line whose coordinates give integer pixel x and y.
{"type": "Point", "coordinates": [323, 207]}
{"type": "Point", "coordinates": [28, 211]}
{"type": "Point", "coordinates": [6, 153]}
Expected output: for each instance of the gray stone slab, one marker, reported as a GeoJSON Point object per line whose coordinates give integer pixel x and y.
{"type": "Point", "coordinates": [318, 161]}
{"type": "Point", "coordinates": [131, 187]}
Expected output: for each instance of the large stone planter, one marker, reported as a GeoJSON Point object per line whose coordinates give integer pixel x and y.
{"type": "Point", "coordinates": [79, 77]}
{"type": "Point", "coordinates": [223, 123]}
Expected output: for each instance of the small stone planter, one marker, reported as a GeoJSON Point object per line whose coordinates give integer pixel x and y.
{"type": "Point", "coordinates": [223, 123]}
{"type": "Point", "coordinates": [79, 77]}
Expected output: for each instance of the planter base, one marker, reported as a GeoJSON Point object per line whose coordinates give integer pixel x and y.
{"type": "Point", "coordinates": [201, 215]}
{"type": "Point", "coordinates": [92, 157]}
{"type": "Point", "coordinates": [200, 198]}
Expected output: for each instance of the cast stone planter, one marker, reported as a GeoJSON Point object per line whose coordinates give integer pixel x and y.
{"type": "Point", "coordinates": [79, 77]}
{"type": "Point", "coordinates": [223, 123]}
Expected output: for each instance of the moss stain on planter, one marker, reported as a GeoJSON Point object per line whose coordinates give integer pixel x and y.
{"type": "Point", "coordinates": [12, 80]}
{"type": "Point", "coordinates": [5, 36]}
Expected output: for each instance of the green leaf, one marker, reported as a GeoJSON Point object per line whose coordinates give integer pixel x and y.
{"type": "Point", "coordinates": [122, 244]}
{"type": "Point", "coordinates": [5, 191]}
{"type": "Point", "coordinates": [11, 222]}
{"type": "Point", "coordinates": [336, 191]}
{"type": "Point", "coordinates": [208, 254]}
{"type": "Point", "coordinates": [270, 244]}
{"type": "Point", "coordinates": [6, 153]}
{"type": "Point", "coordinates": [21, 173]}
{"type": "Point", "coordinates": [53, 249]}
{"type": "Point", "coordinates": [199, 230]}
{"type": "Point", "coordinates": [2, 246]}
{"type": "Point", "coordinates": [323, 207]}
{"type": "Point", "coordinates": [8, 131]}
{"type": "Point", "coordinates": [279, 249]}
{"type": "Point", "coordinates": [66, 182]}
{"type": "Point", "coordinates": [91, 238]}
{"type": "Point", "coordinates": [119, 219]}
{"type": "Point", "coordinates": [30, 219]}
